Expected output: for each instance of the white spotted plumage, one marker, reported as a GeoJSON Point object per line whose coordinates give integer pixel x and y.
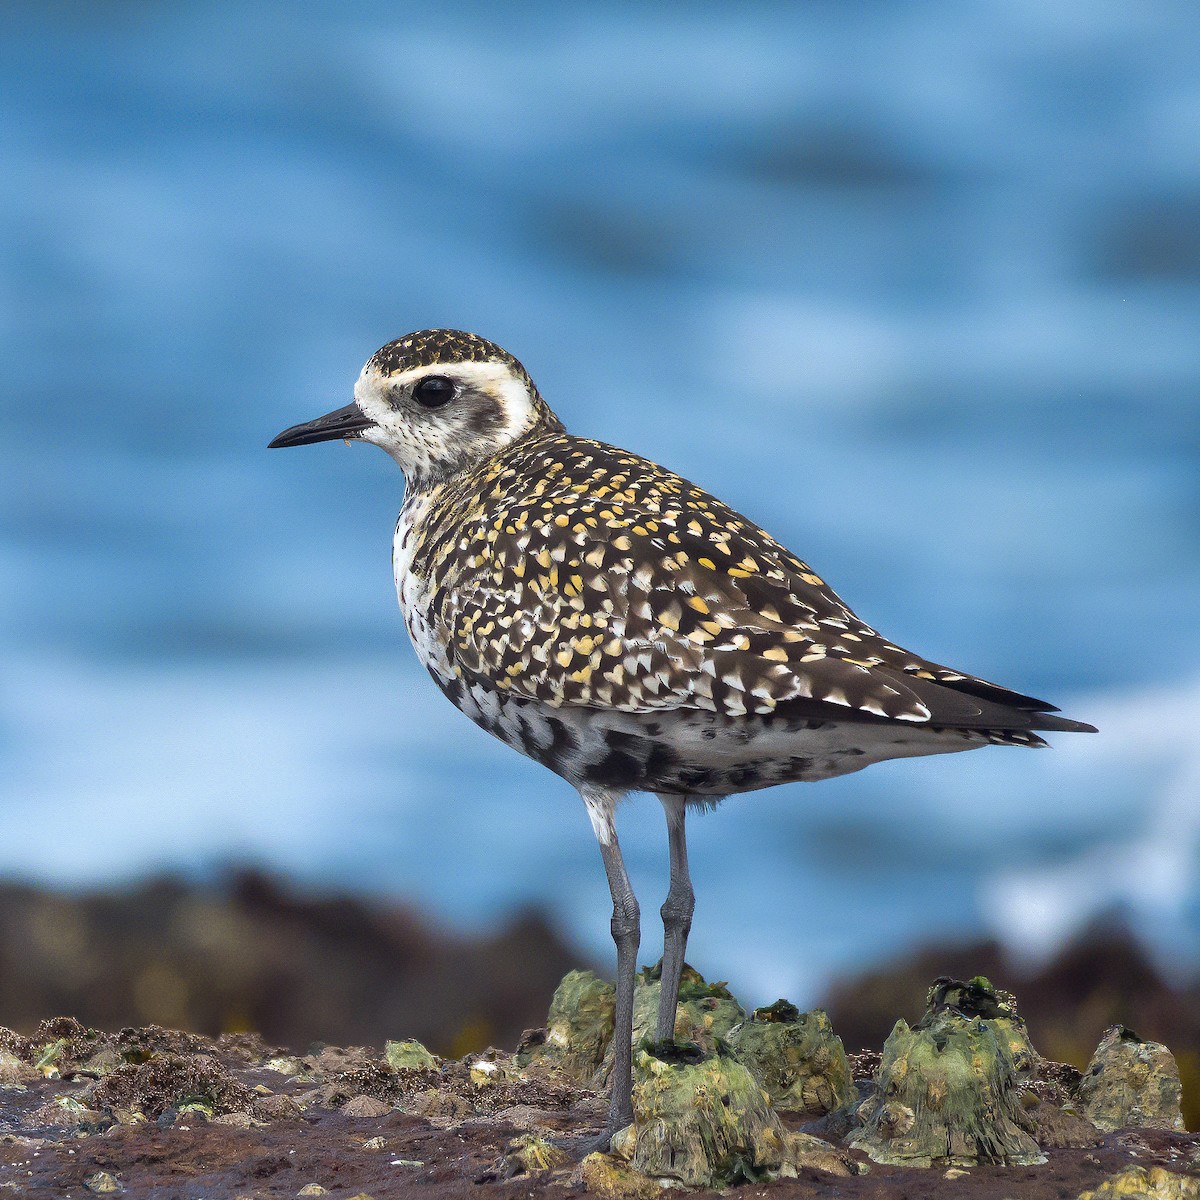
{"type": "Point", "coordinates": [608, 609]}
{"type": "Point", "coordinates": [618, 624]}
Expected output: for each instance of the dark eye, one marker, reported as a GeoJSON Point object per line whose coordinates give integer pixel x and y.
{"type": "Point", "coordinates": [434, 390]}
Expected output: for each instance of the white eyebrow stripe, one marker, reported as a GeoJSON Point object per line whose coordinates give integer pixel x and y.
{"type": "Point", "coordinates": [496, 378]}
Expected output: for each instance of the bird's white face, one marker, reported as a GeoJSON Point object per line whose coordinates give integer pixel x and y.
{"type": "Point", "coordinates": [438, 419]}
{"type": "Point", "coordinates": [436, 401]}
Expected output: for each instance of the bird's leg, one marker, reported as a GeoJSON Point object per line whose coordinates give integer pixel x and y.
{"type": "Point", "coordinates": [626, 932]}
{"type": "Point", "coordinates": [676, 914]}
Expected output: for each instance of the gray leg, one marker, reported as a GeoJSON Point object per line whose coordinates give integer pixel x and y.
{"type": "Point", "coordinates": [676, 914]}
{"type": "Point", "coordinates": [626, 932]}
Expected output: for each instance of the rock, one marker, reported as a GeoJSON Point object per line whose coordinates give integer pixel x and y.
{"type": "Point", "coordinates": [796, 1056]}
{"type": "Point", "coordinates": [312, 1189]}
{"type": "Point", "coordinates": [1142, 1183]}
{"type": "Point", "coordinates": [706, 1011]}
{"type": "Point", "coordinates": [103, 1062]}
{"type": "Point", "coordinates": [490, 1067]}
{"type": "Point", "coordinates": [15, 1072]}
{"type": "Point", "coordinates": [610, 1178]}
{"type": "Point", "coordinates": [409, 1055]}
{"type": "Point", "coordinates": [1057, 1128]}
{"type": "Point", "coordinates": [579, 1028]}
{"type": "Point", "coordinates": [705, 1014]}
{"type": "Point", "coordinates": [527, 1116]}
{"type": "Point", "coordinates": [1131, 1082]}
{"type": "Point", "coordinates": [623, 1143]}
{"type": "Point", "coordinates": [285, 1064]}
{"type": "Point", "coordinates": [67, 1111]}
{"type": "Point", "coordinates": [531, 1153]}
{"type": "Point", "coordinates": [438, 1107]}
{"type": "Point", "coordinates": [978, 997]}
{"type": "Point", "coordinates": [171, 1081]}
{"type": "Point", "coordinates": [16, 1043]}
{"type": "Point", "coordinates": [103, 1184]}
{"type": "Point", "coordinates": [702, 1119]}
{"type": "Point", "coordinates": [805, 1152]}
{"type": "Point", "coordinates": [276, 1108]}
{"type": "Point", "coordinates": [238, 1120]}
{"type": "Point", "coordinates": [945, 1093]}
{"type": "Point", "coordinates": [193, 1110]}
{"type": "Point", "coordinates": [365, 1106]}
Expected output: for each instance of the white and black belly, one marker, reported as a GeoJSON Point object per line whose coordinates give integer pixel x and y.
{"type": "Point", "coordinates": [688, 752]}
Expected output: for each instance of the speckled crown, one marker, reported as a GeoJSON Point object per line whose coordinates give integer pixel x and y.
{"type": "Point", "coordinates": [429, 346]}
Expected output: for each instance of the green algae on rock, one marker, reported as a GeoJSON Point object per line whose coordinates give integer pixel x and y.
{"type": "Point", "coordinates": [1131, 1082]}
{"type": "Point", "coordinates": [796, 1056]}
{"type": "Point", "coordinates": [409, 1055]}
{"type": "Point", "coordinates": [103, 1183]}
{"type": "Point", "coordinates": [706, 1011]}
{"type": "Point", "coordinates": [579, 1027]}
{"type": "Point", "coordinates": [705, 1014]}
{"type": "Point", "coordinates": [1145, 1183]}
{"type": "Point", "coordinates": [702, 1119]}
{"type": "Point", "coordinates": [978, 997]}
{"type": "Point", "coordinates": [805, 1151]}
{"type": "Point", "coordinates": [528, 1152]}
{"type": "Point", "coordinates": [945, 1093]}
{"type": "Point", "coordinates": [606, 1176]}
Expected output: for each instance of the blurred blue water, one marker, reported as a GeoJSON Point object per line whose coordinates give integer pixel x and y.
{"type": "Point", "coordinates": [915, 286]}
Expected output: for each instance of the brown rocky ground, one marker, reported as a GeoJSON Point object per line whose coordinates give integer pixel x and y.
{"type": "Point", "coordinates": [157, 1112]}
{"type": "Point", "coordinates": [250, 952]}
{"type": "Point", "coordinates": [152, 1113]}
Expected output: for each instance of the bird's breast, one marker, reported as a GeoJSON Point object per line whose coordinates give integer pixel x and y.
{"type": "Point", "coordinates": [414, 591]}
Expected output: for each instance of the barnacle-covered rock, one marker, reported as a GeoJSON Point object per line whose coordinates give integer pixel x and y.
{"type": "Point", "coordinates": [803, 1151]}
{"type": "Point", "coordinates": [1057, 1126]}
{"type": "Point", "coordinates": [438, 1106]}
{"type": "Point", "coordinates": [796, 1056]}
{"type": "Point", "coordinates": [706, 1012]}
{"type": "Point", "coordinates": [489, 1067]}
{"type": "Point", "coordinates": [1145, 1183]}
{"type": "Point", "coordinates": [945, 1093]}
{"type": "Point", "coordinates": [702, 1119]}
{"type": "Point", "coordinates": [365, 1106]}
{"type": "Point", "coordinates": [103, 1183]}
{"type": "Point", "coordinates": [579, 1028]}
{"type": "Point", "coordinates": [1131, 1082]}
{"type": "Point", "coordinates": [606, 1176]}
{"type": "Point", "coordinates": [978, 997]}
{"type": "Point", "coordinates": [528, 1152]}
{"type": "Point", "coordinates": [409, 1055]}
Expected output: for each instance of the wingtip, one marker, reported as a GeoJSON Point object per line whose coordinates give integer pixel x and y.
{"type": "Point", "coordinates": [1054, 724]}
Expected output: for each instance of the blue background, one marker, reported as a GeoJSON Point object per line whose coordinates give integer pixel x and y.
{"type": "Point", "coordinates": [916, 286]}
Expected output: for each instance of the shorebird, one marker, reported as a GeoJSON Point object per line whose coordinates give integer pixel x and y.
{"type": "Point", "coordinates": [626, 629]}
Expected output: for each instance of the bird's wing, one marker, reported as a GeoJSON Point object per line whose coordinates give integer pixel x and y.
{"type": "Point", "coordinates": [681, 605]}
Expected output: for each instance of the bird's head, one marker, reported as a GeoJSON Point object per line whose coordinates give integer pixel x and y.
{"type": "Point", "coordinates": [436, 401]}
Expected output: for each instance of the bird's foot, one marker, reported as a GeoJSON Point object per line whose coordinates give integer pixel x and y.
{"type": "Point", "coordinates": [579, 1147]}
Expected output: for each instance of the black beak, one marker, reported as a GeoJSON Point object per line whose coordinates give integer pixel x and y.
{"type": "Point", "coordinates": [348, 422]}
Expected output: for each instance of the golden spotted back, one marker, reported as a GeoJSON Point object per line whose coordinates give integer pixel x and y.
{"type": "Point", "coordinates": [573, 573]}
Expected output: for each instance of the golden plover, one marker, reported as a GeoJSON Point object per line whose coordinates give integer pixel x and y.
{"type": "Point", "coordinates": [626, 629]}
